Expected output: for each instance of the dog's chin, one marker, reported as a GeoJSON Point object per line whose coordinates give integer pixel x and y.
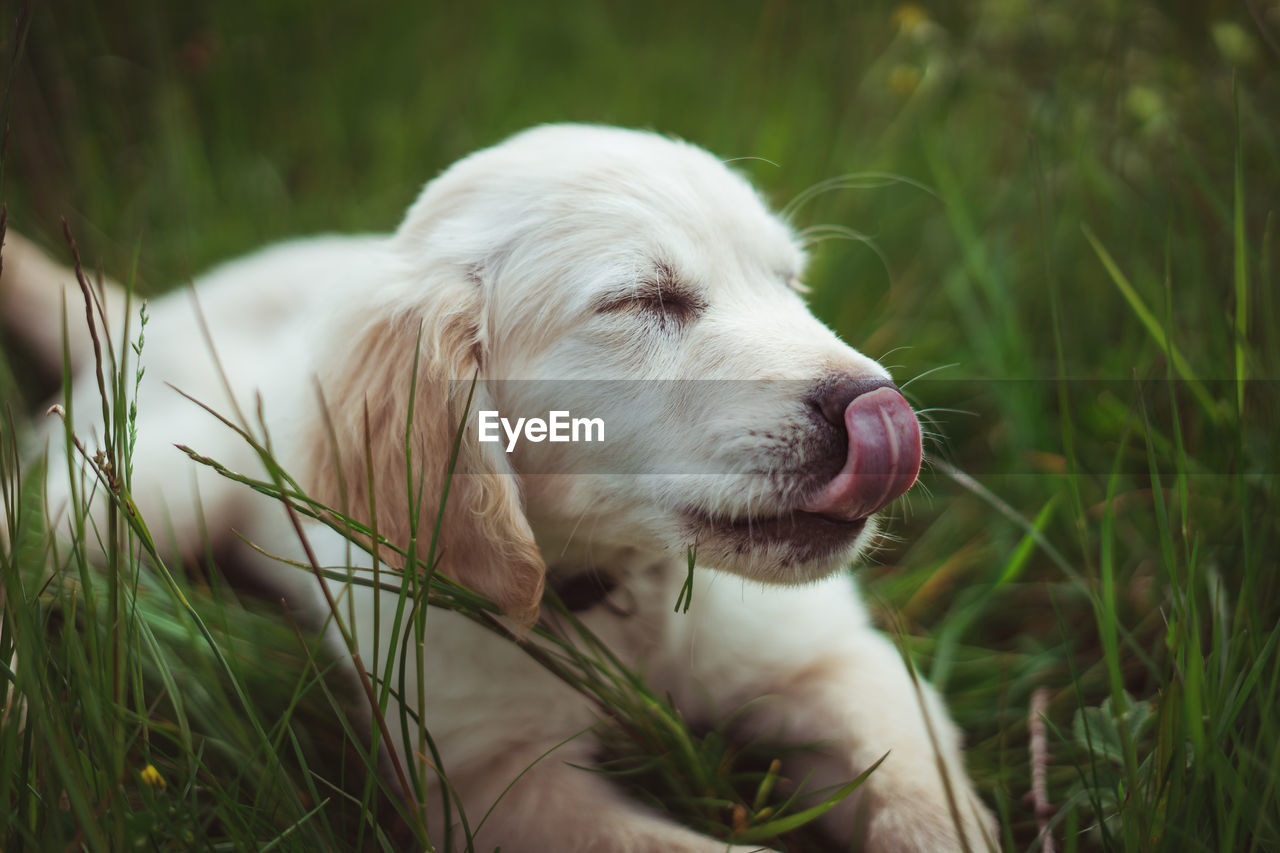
{"type": "Point", "coordinates": [793, 548]}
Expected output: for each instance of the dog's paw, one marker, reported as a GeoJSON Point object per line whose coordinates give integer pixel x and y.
{"type": "Point", "coordinates": [919, 821]}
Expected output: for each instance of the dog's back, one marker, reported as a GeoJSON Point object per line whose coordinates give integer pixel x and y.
{"type": "Point", "coordinates": [252, 328]}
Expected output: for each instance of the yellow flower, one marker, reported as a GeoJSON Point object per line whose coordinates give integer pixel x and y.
{"type": "Point", "coordinates": [908, 16]}
{"type": "Point", "coordinates": [151, 777]}
{"type": "Point", "coordinates": [903, 80]}
{"type": "Point", "coordinates": [1234, 43]}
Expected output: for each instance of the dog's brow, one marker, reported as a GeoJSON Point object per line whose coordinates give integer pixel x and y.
{"type": "Point", "coordinates": [665, 274]}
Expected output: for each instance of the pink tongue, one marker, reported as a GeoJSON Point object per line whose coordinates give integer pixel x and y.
{"type": "Point", "coordinates": [883, 460]}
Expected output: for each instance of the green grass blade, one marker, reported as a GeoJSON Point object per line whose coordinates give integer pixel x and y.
{"type": "Point", "coordinates": [1152, 326]}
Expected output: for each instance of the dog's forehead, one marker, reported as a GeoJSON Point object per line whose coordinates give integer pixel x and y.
{"type": "Point", "coordinates": [586, 164]}
{"type": "Point", "coordinates": [649, 194]}
{"type": "Point", "coordinates": [642, 165]}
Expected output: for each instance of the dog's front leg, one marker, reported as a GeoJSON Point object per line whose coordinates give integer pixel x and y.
{"type": "Point", "coordinates": [815, 672]}
{"type": "Point", "coordinates": [859, 703]}
{"type": "Point", "coordinates": [554, 805]}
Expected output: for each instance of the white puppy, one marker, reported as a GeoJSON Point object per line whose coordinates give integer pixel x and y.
{"type": "Point", "coordinates": [611, 274]}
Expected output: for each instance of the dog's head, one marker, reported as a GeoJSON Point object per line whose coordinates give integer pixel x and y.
{"type": "Point", "coordinates": [634, 278]}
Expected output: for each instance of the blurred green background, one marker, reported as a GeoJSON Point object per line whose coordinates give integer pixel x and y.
{"type": "Point", "coordinates": [1015, 149]}
{"type": "Point", "coordinates": [199, 130]}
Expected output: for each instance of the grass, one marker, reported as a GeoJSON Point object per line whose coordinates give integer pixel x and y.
{"type": "Point", "coordinates": [1091, 262]}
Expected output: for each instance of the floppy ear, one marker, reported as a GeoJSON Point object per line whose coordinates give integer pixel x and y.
{"type": "Point", "coordinates": [485, 540]}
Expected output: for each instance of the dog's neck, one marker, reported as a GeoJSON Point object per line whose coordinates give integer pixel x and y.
{"type": "Point", "coordinates": [582, 585]}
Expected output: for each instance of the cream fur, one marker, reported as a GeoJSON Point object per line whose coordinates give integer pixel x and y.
{"type": "Point", "coordinates": [503, 270]}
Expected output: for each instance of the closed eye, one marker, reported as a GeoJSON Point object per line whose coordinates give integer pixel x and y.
{"type": "Point", "coordinates": [661, 296]}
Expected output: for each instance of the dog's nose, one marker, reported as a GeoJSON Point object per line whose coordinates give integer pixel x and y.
{"type": "Point", "coordinates": [882, 451]}
{"type": "Point", "coordinates": [833, 397]}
